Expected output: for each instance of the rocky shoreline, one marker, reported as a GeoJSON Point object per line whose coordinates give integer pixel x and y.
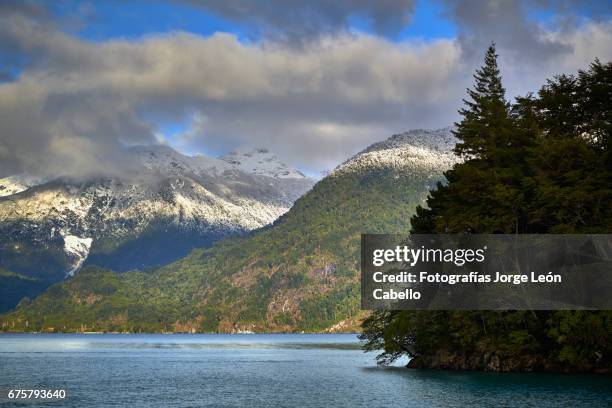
{"type": "Point", "coordinates": [496, 362]}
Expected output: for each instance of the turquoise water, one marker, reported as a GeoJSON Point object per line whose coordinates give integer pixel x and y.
{"type": "Point", "coordinates": [261, 371]}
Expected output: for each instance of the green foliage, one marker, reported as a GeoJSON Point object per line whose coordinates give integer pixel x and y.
{"type": "Point", "coordinates": [581, 338]}
{"type": "Point", "coordinates": [325, 309]}
{"type": "Point", "coordinates": [542, 166]}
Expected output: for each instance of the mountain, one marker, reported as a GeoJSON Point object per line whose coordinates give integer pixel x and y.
{"type": "Point", "coordinates": [169, 205]}
{"type": "Point", "coordinates": [301, 273]}
{"type": "Point", "coordinates": [261, 162]}
{"type": "Point", "coordinates": [418, 151]}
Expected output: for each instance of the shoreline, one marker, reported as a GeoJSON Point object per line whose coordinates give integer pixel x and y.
{"type": "Point", "coordinates": [171, 333]}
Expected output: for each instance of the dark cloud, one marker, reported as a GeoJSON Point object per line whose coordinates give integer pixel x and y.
{"type": "Point", "coordinates": [32, 9]}
{"type": "Point", "coordinates": [12, 14]}
{"type": "Point", "coordinates": [508, 24]}
{"type": "Point", "coordinates": [530, 50]}
{"type": "Point", "coordinates": [481, 22]}
{"type": "Point", "coordinates": [298, 21]}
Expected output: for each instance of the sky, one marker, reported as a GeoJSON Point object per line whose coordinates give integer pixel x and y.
{"type": "Point", "coordinates": [314, 81]}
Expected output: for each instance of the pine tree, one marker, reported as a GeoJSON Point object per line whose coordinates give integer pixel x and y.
{"type": "Point", "coordinates": [486, 114]}
{"type": "Point", "coordinates": [485, 193]}
{"type": "Point", "coordinates": [571, 166]}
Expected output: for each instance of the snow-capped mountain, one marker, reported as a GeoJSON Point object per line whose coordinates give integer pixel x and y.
{"type": "Point", "coordinates": [154, 215]}
{"type": "Point", "coordinates": [417, 150]}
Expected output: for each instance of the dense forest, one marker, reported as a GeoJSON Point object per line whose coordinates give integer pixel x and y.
{"type": "Point", "coordinates": [540, 165]}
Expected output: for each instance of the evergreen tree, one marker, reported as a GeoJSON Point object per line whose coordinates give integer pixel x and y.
{"type": "Point", "coordinates": [571, 165]}
{"type": "Point", "coordinates": [486, 114]}
{"type": "Point", "coordinates": [484, 194]}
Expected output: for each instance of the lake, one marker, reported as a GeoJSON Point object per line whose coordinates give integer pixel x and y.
{"type": "Point", "coordinates": [258, 370]}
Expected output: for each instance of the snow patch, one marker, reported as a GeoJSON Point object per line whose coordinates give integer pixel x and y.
{"type": "Point", "coordinates": [17, 183]}
{"type": "Point", "coordinates": [77, 248]}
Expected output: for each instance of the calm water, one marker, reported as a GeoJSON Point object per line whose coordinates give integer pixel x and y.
{"type": "Point", "coordinates": [262, 371]}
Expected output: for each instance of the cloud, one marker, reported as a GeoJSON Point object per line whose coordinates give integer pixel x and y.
{"type": "Point", "coordinates": [76, 104]}
{"type": "Point", "coordinates": [336, 95]}
{"type": "Point", "coordinates": [299, 21]}
{"type": "Point", "coordinates": [481, 22]}
{"type": "Point", "coordinates": [23, 7]}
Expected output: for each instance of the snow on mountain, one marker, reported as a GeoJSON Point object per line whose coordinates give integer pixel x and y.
{"type": "Point", "coordinates": [17, 183]}
{"type": "Point", "coordinates": [79, 249]}
{"type": "Point", "coordinates": [194, 195]}
{"type": "Point", "coordinates": [166, 160]}
{"type": "Point", "coordinates": [175, 200]}
{"type": "Point", "coordinates": [261, 162]}
{"type": "Point", "coordinates": [418, 150]}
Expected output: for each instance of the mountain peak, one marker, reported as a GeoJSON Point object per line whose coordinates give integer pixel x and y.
{"type": "Point", "coordinates": [417, 148]}
{"type": "Point", "coordinates": [441, 140]}
{"type": "Point", "coordinates": [262, 162]}
{"type": "Point", "coordinates": [167, 160]}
